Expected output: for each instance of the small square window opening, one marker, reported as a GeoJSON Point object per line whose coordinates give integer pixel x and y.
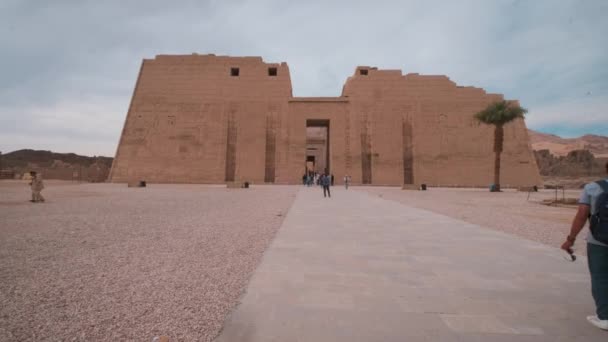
{"type": "Point", "coordinates": [363, 72]}
{"type": "Point", "coordinates": [272, 71]}
{"type": "Point", "coordinates": [234, 71]}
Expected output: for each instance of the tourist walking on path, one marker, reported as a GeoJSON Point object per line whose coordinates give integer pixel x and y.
{"type": "Point", "coordinates": [325, 182]}
{"type": "Point", "coordinates": [594, 201]}
{"type": "Point", "coordinates": [37, 185]}
{"type": "Point", "coordinates": [346, 181]}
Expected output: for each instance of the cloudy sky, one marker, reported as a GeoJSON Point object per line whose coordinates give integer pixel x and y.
{"type": "Point", "coordinates": [67, 68]}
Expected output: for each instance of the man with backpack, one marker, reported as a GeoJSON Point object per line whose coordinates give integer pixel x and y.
{"type": "Point", "coordinates": [593, 205]}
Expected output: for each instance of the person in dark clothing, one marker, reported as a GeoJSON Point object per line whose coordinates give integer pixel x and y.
{"type": "Point", "coordinates": [332, 179]}
{"type": "Point", "coordinates": [597, 251]}
{"type": "Point", "coordinates": [325, 181]}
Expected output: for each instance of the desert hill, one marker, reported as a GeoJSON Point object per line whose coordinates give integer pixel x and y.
{"type": "Point", "coordinates": [67, 166]}
{"type": "Point", "coordinates": [560, 147]}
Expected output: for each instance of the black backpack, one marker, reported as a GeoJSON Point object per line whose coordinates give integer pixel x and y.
{"type": "Point", "coordinates": [598, 221]}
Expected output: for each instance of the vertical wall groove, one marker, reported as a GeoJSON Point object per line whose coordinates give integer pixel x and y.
{"type": "Point", "coordinates": [230, 149]}
{"type": "Point", "coordinates": [347, 154]}
{"type": "Point", "coordinates": [408, 153]}
{"type": "Point", "coordinates": [366, 152]}
{"type": "Point", "coordinates": [270, 158]}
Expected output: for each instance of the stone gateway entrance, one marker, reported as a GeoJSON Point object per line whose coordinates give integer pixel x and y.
{"type": "Point", "coordinates": [317, 145]}
{"type": "Point", "coordinates": [214, 119]}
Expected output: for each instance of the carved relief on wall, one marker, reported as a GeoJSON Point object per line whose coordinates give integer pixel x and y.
{"type": "Point", "coordinates": [474, 123]}
{"type": "Point", "coordinates": [171, 121]}
{"type": "Point", "coordinates": [443, 136]}
{"type": "Point", "coordinates": [348, 159]}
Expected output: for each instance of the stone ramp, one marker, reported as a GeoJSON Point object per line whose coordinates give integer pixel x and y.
{"type": "Point", "coordinates": [360, 268]}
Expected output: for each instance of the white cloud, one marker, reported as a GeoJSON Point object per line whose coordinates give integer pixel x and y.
{"type": "Point", "coordinates": [89, 125]}
{"type": "Point", "coordinates": [69, 67]}
{"type": "Point", "coordinates": [574, 114]}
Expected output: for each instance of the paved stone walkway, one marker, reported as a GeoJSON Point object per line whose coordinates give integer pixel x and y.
{"type": "Point", "coordinates": [360, 268]}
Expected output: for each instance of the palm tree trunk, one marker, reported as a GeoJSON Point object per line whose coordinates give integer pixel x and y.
{"type": "Point", "coordinates": [498, 140]}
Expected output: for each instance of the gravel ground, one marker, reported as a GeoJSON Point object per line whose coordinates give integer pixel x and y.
{"type": "Point", "coordinates": [509, 211]}
{"type": "Point", "coordinates": [103, 262]}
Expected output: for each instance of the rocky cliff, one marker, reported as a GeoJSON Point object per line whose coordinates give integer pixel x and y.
{"type": "Point", "coordinates": [577, 163]}
{"type": "Point", "coordinates": [584, 156]}
{"type": "Point", "coordinates": [596, 144]}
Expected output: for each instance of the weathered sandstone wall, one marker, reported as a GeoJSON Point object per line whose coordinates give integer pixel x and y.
{"type": "Point", "coordinates": [194, 120]}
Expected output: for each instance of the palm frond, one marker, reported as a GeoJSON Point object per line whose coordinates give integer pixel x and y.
{"type": "Point", "coordinates": [500, 113]}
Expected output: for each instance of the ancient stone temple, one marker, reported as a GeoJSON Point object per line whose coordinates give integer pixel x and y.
{"type": "Point", "coordinates": [214, 119]}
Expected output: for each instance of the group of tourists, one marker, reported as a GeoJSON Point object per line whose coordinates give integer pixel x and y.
{"type": "Point", "coordinates": [324, 180]}
{"type": "Point", "coordinates": [311, 178]}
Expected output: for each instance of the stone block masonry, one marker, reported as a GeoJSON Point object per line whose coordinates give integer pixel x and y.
{"type": "Point", "coordinates": [215, 119]}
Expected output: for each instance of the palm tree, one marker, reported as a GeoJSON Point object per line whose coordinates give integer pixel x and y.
{"type": "Point", "coordinates": [499, 114]}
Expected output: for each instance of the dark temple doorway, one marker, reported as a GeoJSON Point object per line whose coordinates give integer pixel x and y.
{"type": "Point", "coordinates": [317, 146]}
